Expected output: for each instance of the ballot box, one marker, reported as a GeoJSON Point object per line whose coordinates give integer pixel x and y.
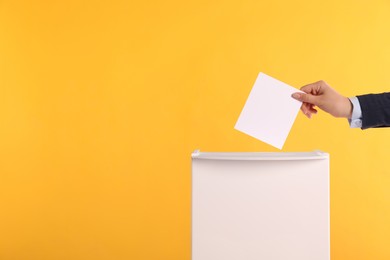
{"type": "Point", "coordinates": [260, 206]}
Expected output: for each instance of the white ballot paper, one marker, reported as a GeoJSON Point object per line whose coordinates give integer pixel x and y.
{"type": "Point", "coordinates": [269, 112]}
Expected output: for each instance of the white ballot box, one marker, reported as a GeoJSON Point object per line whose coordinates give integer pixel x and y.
{"type": "Point", "coordinates": [260, 206]}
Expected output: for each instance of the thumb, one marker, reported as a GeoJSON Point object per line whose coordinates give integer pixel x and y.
{"type": "Point", "coordinates": [307, 98]}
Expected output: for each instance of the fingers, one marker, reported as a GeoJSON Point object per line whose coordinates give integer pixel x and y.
{"type": "Point", "coordinates": [315, 88]}
{"type": "Point", "coordinates": [308, 109]}
{"type": "Point", "coordinates": [311, 96]}
{"type": "Point", "coordinates": [313, 110]}
{"type": "Point", "coordinates": [308, 98]}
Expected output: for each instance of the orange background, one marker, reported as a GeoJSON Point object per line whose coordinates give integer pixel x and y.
{"type": "Point", "coordinates": [102, 103]}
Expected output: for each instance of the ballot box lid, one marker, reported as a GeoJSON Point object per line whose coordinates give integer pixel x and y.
{"type": "Point", "coordinates": [260, 156]}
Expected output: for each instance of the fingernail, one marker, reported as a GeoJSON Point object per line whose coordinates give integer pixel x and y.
{"type": "Point", "coordinates": [296, 95]}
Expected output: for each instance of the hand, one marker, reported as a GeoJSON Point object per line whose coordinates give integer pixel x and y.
{"type": "Point", "coordinates": [323, 96]}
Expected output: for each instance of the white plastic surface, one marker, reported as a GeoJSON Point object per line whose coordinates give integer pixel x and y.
{"type": "Point", "coordinates": [260, 156]}
{"type": "Point", "coordinates": [255, 206]}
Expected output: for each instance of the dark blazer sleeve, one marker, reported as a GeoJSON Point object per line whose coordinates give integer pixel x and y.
{"type": "Point", "coordinates": [375, 110]}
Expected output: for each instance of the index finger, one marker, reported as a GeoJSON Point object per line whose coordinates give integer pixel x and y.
{"type": "Point", "coordinates": [313, 88]}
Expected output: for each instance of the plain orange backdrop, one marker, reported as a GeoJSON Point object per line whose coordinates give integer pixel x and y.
{"type": "Point", "coordinates": [102, 103]}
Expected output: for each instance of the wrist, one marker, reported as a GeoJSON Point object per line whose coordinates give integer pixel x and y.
{"type": "Point", "coordinates": [348, 108]}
